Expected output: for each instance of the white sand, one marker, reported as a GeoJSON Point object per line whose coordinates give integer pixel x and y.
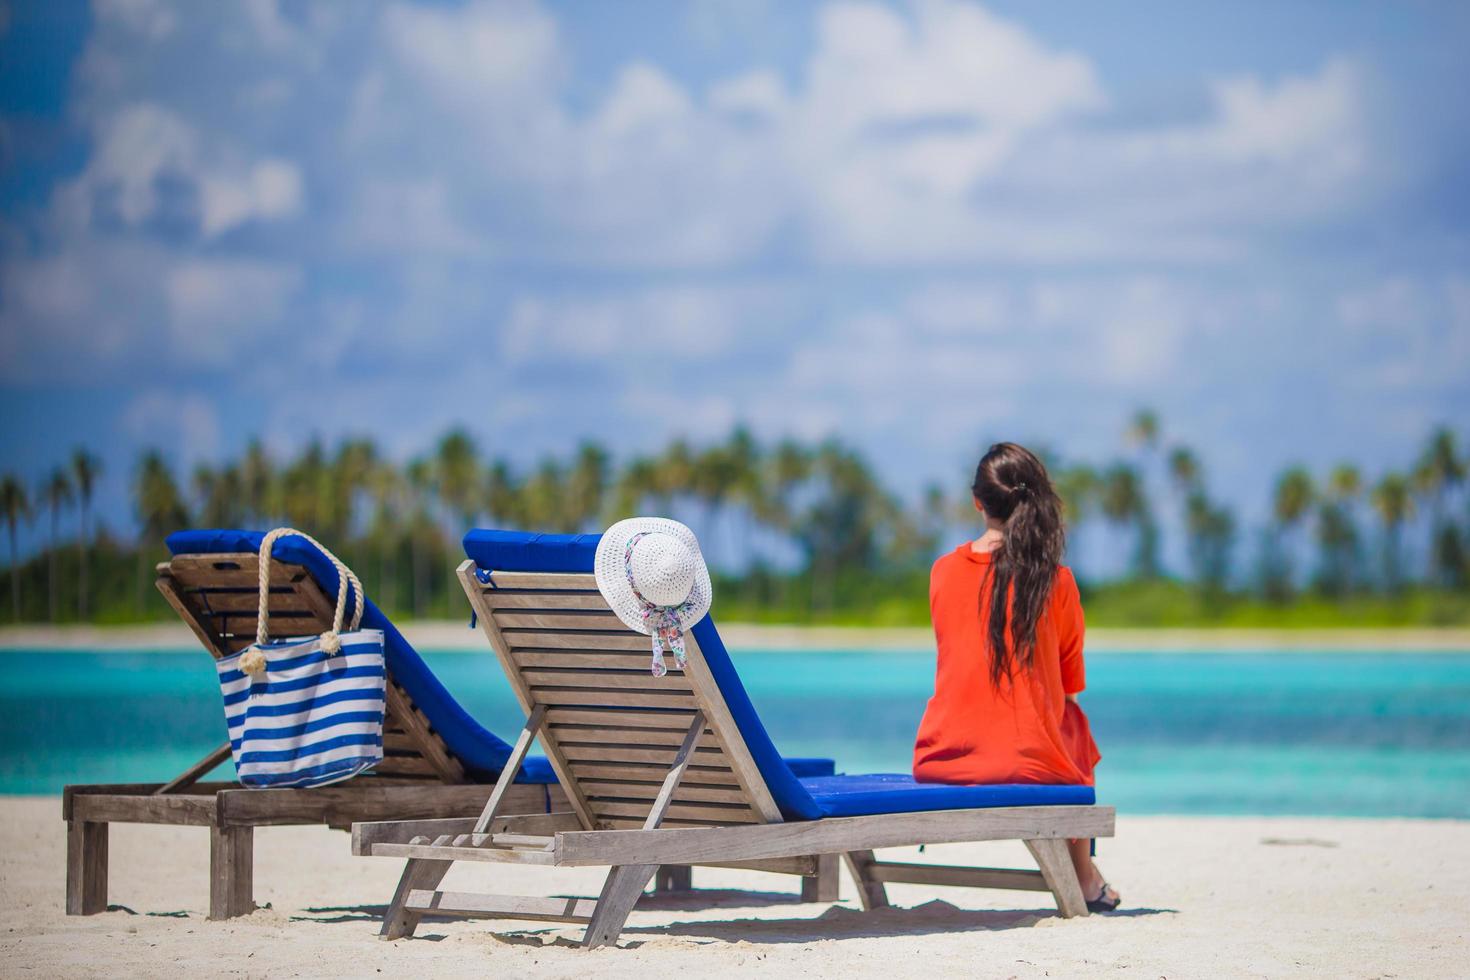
{"type": "Point", "coordinates": [1205, 897]}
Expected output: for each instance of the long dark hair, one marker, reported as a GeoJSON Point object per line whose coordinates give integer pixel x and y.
{"type": "Point", "coordinates": [1012, 485]}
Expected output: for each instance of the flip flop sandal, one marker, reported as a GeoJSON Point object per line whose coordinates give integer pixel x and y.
{"type": "Point", "coordinates": [1102, 903]}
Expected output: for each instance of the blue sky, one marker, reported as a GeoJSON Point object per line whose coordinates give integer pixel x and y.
{"type": "Point", "coordinates": [920, 226]}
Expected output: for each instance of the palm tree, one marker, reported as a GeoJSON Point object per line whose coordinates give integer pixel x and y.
{"type": "Point", "coordinates": [1393, 499]}
{"type": "Point", "coordinates": [160, 510]}
{"type": "Point", "coordinates": [1143, 429]}
{"type": "Point", "coordinates": [586, 486]}
{"type": "Point", "coordinates": [85, 469]}
{"type": "Point", "coordinates": [711, 481]}
{"type": "Point", "coordinates": [781, 474]}
{"type": "Point", "coordinates": [350, 478]}
{"type": "Point", "coordinates": [1122, 502]}
{"type": "Point", "coordinates": [841, 527]}
{"type": "Point", "coordinates": [56, 493]}
{"type": "Point", "coordinates": [675, 474]}
{"type": "Point", "coordinates": [1294, 496]}
{"type": "Point", "coordinates": [1211, 533]}
{"type": "Point", "coordinates": [1345, 482]}
{"type": "Point", "coordinates": [1184, 469]}
{"type": "Point", "coordinates": [17, 507]}
{"type": "Point", "coordinates": [1439, 471]}
{"type": "Point", "coordinates": [934, 514]}
{"type": "Point", "coordinates": [786, 469]}
{"type": "Point", "coordinates": [1337, 533]}
{"type": "Point", "coordinates": [1208, 530]}
{"type": "Point", "coordinates": [743, 469]}
{"type": "Point", "coordinates": [386, 486]}
{"type": "Point", "coordinates": [503, 494]}
{"type": "Point", "coordinates": [457, 468]}
{"type": "Point", "coordinates": [219, 495]}
{"type": "Point", "coordinates": [1143, 434]}
{"type": "Point", "coordinates": [420, 476]}
{"type": "Point", "coordinates": [544, 497]}
{"type": "Point", "coordinates": [261, 491]}
{"type": "Point", "coordinates": [1078, 485]}
{"type": "Point", "coordinates": [1292, 501]}
{"type": "Point", "coordinates": [306, 490]}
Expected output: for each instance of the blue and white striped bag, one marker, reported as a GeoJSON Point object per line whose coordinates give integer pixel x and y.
{"type": "Point", "coordinates": [306, 711]}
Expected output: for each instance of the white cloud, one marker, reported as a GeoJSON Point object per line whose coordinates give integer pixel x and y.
{"type": "Point", "coordinates": [152, 19]}
{"type": "Point", "coordinates": [651, 327]}
{"type": "Point", "coordinates": [83, 314]}
{"type": "Point", "coordinates": [962, 308]}
{"type": "Point", "coordinates": [152, 167]}
{"type": "Point", "coordinates": [185, 424]}
{"type": "Point", "coordinates": [643, 97]}
{"type": "Point", "coordinates": [417, 214]}
{"type": "Point", "coordinates": [1124, 333]}
{"type": "Point", "coordinates": [269, 190]}
{"type": "Point", "coordinates": [1403, 333]}
{"type": "Point", "coordinates": [943, 60]}
{"type": "Point", "coordinates": [479, 55]}
{"type": "Point", "coordinates": [137, 147]}
{"type": "Point", "coordinates": [759, 93]}
{"type": "Point", "coordinates": [218, 306]}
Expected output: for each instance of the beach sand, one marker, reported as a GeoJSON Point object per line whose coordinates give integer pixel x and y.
{"type": "Point", "coordinates": [1204, 897]}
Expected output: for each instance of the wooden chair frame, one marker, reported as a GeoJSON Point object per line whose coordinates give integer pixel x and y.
{"type": "Point", "coordinates": [217, 596]}
{"type": "Point", "coordinates": [658, 775]}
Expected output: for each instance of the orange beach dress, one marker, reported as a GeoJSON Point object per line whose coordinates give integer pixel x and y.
{"type": "Point", "coordinates": [1025, 730]}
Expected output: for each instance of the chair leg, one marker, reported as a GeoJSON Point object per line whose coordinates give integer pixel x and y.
{"type": "Point", "coordinates": [673, 878]}
{"type": "Point", "coordinates": [620, 892]}
{"type": "Point", "coordinates": [231, 871]}
{"type": "Point", "coordinates": [870, 890]}
{"type": "Point", "coordinates": [1061, 877]}
{"type": "Point", "coordinates": [418, 874]}
{"type": "Point", "coordinates": [824, 886]}
{"type": "Point", "coordinates": [86, 867]}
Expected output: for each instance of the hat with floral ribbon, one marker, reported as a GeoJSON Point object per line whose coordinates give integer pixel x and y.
{"type": "Point", "coordinates": [651, 572]}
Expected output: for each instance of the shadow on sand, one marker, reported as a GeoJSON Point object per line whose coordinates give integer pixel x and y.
{"type": "Point", "coordinates": [703, 898]}
{"type": "Point", "coordinates": [343, 913]}
{"type": "Point", "coordinates": [837, 922]}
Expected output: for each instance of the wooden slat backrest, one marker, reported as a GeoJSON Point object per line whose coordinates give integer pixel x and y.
{"type": "Point", "coordinates": [612, 729]}
{"type": "Point", "coordinates": [217, 596]}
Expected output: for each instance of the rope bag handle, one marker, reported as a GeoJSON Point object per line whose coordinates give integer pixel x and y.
{"type": "Point", "coordinates": [346, 581]}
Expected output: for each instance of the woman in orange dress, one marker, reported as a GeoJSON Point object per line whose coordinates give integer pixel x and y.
{"type": "Point", "coordinates": [1008, 623]}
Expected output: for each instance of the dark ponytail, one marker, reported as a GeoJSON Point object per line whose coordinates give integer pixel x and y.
{"type": "Point", "coordinates": [1012, 485]}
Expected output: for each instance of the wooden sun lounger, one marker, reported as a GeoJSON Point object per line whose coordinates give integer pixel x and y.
{"type": "Point", "coordinates": [217, 595]}
{"type": "Point", "coordinates": [657, 774]}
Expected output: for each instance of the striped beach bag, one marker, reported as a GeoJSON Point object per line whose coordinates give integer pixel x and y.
{"type": "Point", "coordinates": [306, 711]}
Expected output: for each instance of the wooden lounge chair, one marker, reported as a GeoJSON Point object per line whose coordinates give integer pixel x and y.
{"type": "Point", "coordinates": [678, 770]}
{"type": "Point", "coordinates": [438, 761]}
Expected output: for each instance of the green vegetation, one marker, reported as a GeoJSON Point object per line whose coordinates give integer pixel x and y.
{"type": "Point", "coordinates": [1338, 550]}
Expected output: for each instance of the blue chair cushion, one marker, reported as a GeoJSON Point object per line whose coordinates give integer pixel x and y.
{"type": "Point", "coordinates": [536, 769]}
{"type": "Point", "coordinates": [522, 551]}
{"type": "Point", "coordinates": [802, 767]}
{"type": "Point", "coordinates": [857, 796]}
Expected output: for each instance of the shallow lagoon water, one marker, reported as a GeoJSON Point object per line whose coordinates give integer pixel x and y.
{"type": "Point", "coordinates": [1350, 734]}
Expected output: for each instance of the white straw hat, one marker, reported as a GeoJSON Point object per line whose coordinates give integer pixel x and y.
{"type": "Point", "coordinates": [652, 574]}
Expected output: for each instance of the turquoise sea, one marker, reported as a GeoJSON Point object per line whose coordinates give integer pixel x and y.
{"type": "Point", "coordinates": [1354, 734]}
